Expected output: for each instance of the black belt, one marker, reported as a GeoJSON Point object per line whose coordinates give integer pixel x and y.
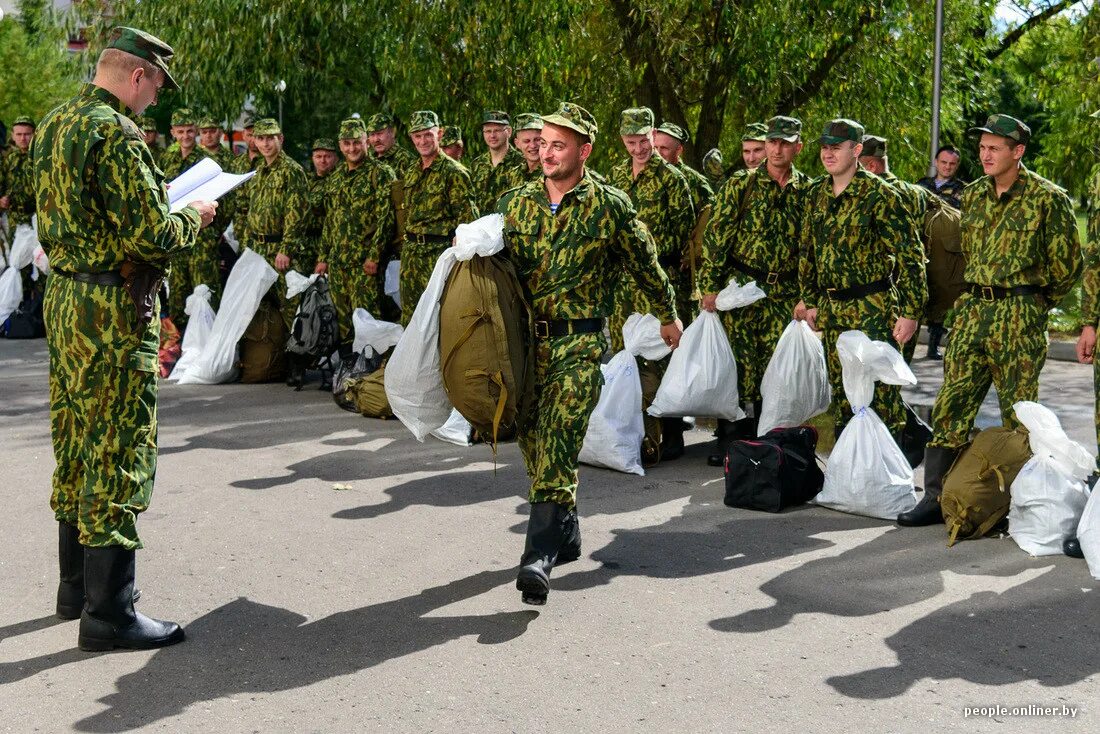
{"type": "Point", "coordinates": [566, 327]}
{"type": "Point", "coordinates": [315, 233]}
{"type": "Point", "coordinates": [768, 277]}
{"type": "Point", "coordinates": [858, 291]}
{"type": "Point", "coordinates": [428, 239]}
{"type": "Point", "coordinates": [670, 261]}
{"type": "Point", "coordinates": [270, 238]}
{"type": "Point", "coordinates": [108, 277]}
{"type": "Point", "coordinates": [996, 293]}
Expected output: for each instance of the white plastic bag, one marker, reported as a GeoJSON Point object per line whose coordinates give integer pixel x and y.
{"type": "Point", "coordinates": [1049, 493]}
{"type": "Point", "coordinates": [249, 280]}
{"type": "Point", "coordinates": [41, 261]}
{"type": "Point", "coordinates": [1088, 533]}
{"type": "Point", "coordinates": [391, 283]}
{"type": "Point", "coordinates": [297, 284]}
{"type": "Point", "coordinates": [795, 386]}
{"type": "Point", "coordinates": [231, 239]}
{"type": "Point", "coordinates": [414, 381]}
{"type": "Point", "coordinates": [370, 332]}
{"type": "Point", "coordinates": [456, 430]}
{"type": "Point", "coordinates": [737, 296]}
{"type": "Point", "coordinates": [867, 473]}
{"type": "Point", "coordinates": [200, 323]}
{"type": "Point", "coordinates": [616, 427]}
{"type": "Point", "coordinates": [23, 245]}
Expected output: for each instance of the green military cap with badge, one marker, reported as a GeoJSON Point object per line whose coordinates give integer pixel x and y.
{"type": "Point", "coordinates": [755, 132]}
{"type": "Point", "coordinates": [528, 121]}
{"type": "Point", "coordinates": [267, 126]}
{"type": "Point", "coordinates": [352, 129]}
{"type": "Point", "coordinates": [636, 121]}
{"type": "Point", "coordinates": [452, 135]}
{"type": "Point", "coordinates": [574, 117]}
{"type": "Point", "coordinates": [24, 120]}
{"type": "Point", "coordinates": [183, 117]}
{"type": "Point", "coordinates": [873, 146]}
{"type": "Point", "coordinates": [144, 46]}
{"type": "Point", "coordinates": [674, 130]}
{"type": "Point", "coordinates": [1005, 126]}
{"type": "Point", "coordinates": [380, 121]}
{"type": "Point", "coordinates": [784, 128]}
{"type": "Point", "coordinates": [841, 130]}
{"type": "Point", "coordinates": [207, 122]}
{"type": "Point", "coordinates": [324, 144]}
{"type": "Point", "coordinates": [423, 120]}
{"type": "Point", "coordinates": [496, 117]}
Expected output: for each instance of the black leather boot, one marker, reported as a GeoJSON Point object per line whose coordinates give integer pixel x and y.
{"type": "Point", "coordinates": [726, 434]}
{"type": "Point", "coordinates": [547, 533]}
{"type": "Point", "coordinates": [937, 461]}
{"type": "Point", "coordinates": [70, 554]}
{"type": "Point", "coordinates": [672, 438]}
{"type": "Point", "coordinates": [109, 619]}
{"type": "Point", "coordinates": [935, 336]}
{"type": "Point", "coordinates": [1072, 548]}
{"type": "Point", "coordinates": [571, 545]}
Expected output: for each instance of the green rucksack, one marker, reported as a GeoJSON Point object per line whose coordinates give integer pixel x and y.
{"type": "Point", "coordinates": [976, 488]}
{"type": "Point", "coordinates": [486, 345]}
{"type": "Point", "coordinates": [368, 394]}
{"type": "Point", "coordinates": [943, 227]}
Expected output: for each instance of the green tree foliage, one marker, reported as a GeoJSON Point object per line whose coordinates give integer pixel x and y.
{"type": "Point", "coordinates": [36, 72]}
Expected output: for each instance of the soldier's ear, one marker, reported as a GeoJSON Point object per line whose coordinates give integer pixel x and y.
{"type": "Point", "coordinates": [585, 151]}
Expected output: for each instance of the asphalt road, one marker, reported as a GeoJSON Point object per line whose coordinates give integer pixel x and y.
{"type": "Point", "coordinates": [390, 605]}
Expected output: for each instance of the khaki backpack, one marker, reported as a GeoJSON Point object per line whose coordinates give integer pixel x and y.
{"type": "Point", "coordinates": [976, 488]}
{"type": "Point", "coordinates": [942, 227]}
{"type": "Point", "coordinates": [368, 393]}
{"type": "Point", "coordinates": [263, 345]}
{"type": "Point", "coordinates": [486, 346]}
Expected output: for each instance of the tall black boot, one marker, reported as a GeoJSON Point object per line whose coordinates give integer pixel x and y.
{"type": "Point", "coordinates": [726, 434]}
{"type": "Point", "coordinates": [937, 461]}
{"type": "Point", "coordinates": [70, 554]}
{"type": "Point", "coordinates": [109, 619]}
{"type": "Point", "coordinates": [547, 532]}
{"type": "Point", "coordinates": [935, 336]}
{"type": "Point", "coordinates": [672, 438]}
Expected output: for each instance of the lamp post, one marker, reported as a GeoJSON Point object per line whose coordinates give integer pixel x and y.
{"type": "Point", "coordinates": [937, 81]}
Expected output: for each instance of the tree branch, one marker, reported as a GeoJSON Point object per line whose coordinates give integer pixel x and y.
{"type": "Point", "coordinates": [1018, 32]}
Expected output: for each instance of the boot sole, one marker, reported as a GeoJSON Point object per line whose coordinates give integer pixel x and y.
{"type": "Point", "coordinates": [96, 644]}
{"type": "Point", "coordinates": [533, 589]}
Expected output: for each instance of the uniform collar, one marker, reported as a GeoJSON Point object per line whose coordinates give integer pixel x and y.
{"type": "Point", "coordinates": [580, 192]}
{"type": "Point", "coordinates": [1016, 189]}
{"type": "Point", "coordinates": [106, 97]}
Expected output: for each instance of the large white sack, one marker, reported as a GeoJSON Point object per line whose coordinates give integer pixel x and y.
{"type": "Point", "coordinates": [795, 386]}
{"type": "Point", "coordinates": [456, 430]}
{"type": "Point", "coordinates": [370, 332]}
{"type": "Point", "coordinates": [867, 473]}
{"type": "Point", "coordinates": [1049, 493]}
{"type": "Point", "coordinates": [701, 378]}
{"type": "Point", "coordinates": [414, 381]}
{"type": "Point", "coordinates": [249, 280]}
{"type": "Point", "coordinates": [200, 323]}
{"type": "Point", "coordinates": [1088, 533]}
{"type": "Point", "coordinates": [23, 245]}
{"type": "Point", "coordinates": [616, 427]}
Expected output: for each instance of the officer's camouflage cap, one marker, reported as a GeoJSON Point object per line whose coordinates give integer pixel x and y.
{"type": "Point", "coordinates": [206, 122]}
{"type": "Point", "coordinates": [380, 121]}
{"type": "Point", "coordinates": [324, 144]}
{"type": "Point", "coordinates": [785, 128]}
{"type": "Point", "coordinates": [24, 120]}
{"type": "Point", "coordinates": [1006, 126]}
{"type": "Point", "coordinates": [423, 120]}
{"type": "Point", "coordinates": [352, 129]}
{"type": "Point", "coordinates": [636, 121]}
{"type": "Point", "coordinates": [671, 128]}
{"type": "Point", "coordinates": [574, 117]}
{"type": "Point", "coordinates": [712, 163]}
{"type": "Point", "coordinates": [838, 131]}
{"type": "Point", "coordinates": [148, 124]}
{"type": "Point", "coordinates": [267, 126]}
{"type": "Point", "coordinates": [755, 132]}
{"type": "Point", "coordinates": [495, 117]}
{"type": "Point", "coordinates": [528, 121]}
{"type": "Point", "coordinates": [452, 135]}
{"type": "Point", "coordinates": [144, 46]}
{"type": "Point", "coordinates": [873, 146]}
{"type": "Point", "coordinates": [183, 116]}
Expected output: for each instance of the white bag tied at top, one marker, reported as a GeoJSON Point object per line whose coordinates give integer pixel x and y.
{"type": "Point", "coordinates": [297, 284]}
{"type": "Point", "coordinates": [616, 427]}
{"type": "Point", "coordinates": [867, 473]}
{"type": "Point", "coordinates": [372, 333]}
{"type": "Point", "coordinates": [23, 245]}
{"type": "Point", "coordinates": [414, 381]}
{"type": "Point", "coordinates": [795, 386]}
{"type": "Point", "coordinates": [200, 324]}
{"type": "Point", "coordinates": [1049, 494]}
{"type": "Point", "coordinates": [701, 378]}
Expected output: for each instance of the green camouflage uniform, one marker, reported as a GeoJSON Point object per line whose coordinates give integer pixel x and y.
{"type": "Point", "coordinates": [103, 203]}
{"type": "Point", "coordinates": [173, 163]}
{"type": "Point", "coordinates": [397, 158]}
{"type": "Point", "coordinates": [318, 196]}
{"type": "Point", "coordinates": [16, 184]}
{"type": "Point", "coordinates": [491, 181]}
{"type": "Point", "coordinates": [1090, 301]}
{"type": "Point", "coordinates": [917, 201]}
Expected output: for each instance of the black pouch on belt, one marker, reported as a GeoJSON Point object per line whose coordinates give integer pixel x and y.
{"type": "Point", "coordinates": [142, 281]}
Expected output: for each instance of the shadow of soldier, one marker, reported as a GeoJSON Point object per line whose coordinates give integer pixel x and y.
{"type": "Point", "coordinates": [245, 647]}
{"type": "Point", "coordinates": [455, 486]}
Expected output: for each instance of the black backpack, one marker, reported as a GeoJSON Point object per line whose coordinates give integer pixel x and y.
{"type": "Point", "coordinates": [774, 471]}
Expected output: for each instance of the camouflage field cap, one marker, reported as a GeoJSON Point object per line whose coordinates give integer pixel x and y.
{"type": "Point", "coordinates": [352, 129]}
{"type": "Point", "coordinates": [206, 122]}
{"type": "Point", "coordinates": [636, 121]}
{"type": "Point", "coordinates": [324, 144]}
{"type": "Point", "coordinates": [147, 124]}
{"type": "Point", "coordinates": [24, 120]}
{"type": "Point", "coordinates": [144, 46]}
{"type": "Point", "coordinates": [1006, 126]}
{"type": "Point", "coordinates": [785, 128]}
{"type": "Point", "coordinates": [183, 116]}
{"type": "Point", "coordinates": [423, 120]}
{"type": "Point", "coordinates": [528, 121]}
{"type": "Point", "coordinates": [838, 131]}
{"type": "Point", "coordinates": [380, 121]}
{"type": "Point", "coordinates": [712, 163]}
{"type": "Point", "coordinates": [873, 146]}
{"type": "Point", "coordinates": [671, 128]}
{"type": "Point", "coordinates": [574, 117]}
{"type": "Point", "coordinates": [452, 135]}
{"type": "Point", "coordinates": [496, 117]}
{"type": "Point", "coordinates": [755, 132]}
{"type": "Point", "coordinates": [267, 126]}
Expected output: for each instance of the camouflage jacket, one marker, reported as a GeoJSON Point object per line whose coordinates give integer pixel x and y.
{"type": "Point", "coordinates": [570, 262]}
{"type": "Point", "coordinates": [702, 193]}
{"type": "Point", "coordinates": [172, 162]}
{"type": "Point", "coordinates": [1028, 235]}
{"type": "Point", "coordinates": [103, 203]}
{"type": "Point", "coordinates": [765, 237]}
{"type": "Point", "coordinates": [1092, 227]}
{"type": "Point", "coordinates": [861, 236]}
{"type": "Point", "coordinates": [16, 182]}
{"type": "Point", "coordinates": [275, 206]}
{"type": "Point", "coordinates": [437, 199]}
{"type": "Point", "coordinates": [359, 218]}
{"type": "Point", "coordinates": [1090, 301]}
{"type": "Point", "coordinates": [663, 201]}
{"type": "Point", "coordinates": [528, 176]}
{"type": "Point", "coordinates": [916, 199]}
{"type": "Point", "coordinates": [491, 181]}
{"type": "Point", "coordinates": [950, 191]}
{"type": "Point", "coordinates": [243, 164]}
{"type": "Point", "coordinates": [397, 158]}
{"type": "Point", "coordinates": [222, 156]}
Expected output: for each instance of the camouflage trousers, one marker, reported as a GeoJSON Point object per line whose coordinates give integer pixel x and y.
{"type": "Point", "coordinates": [567, 388]}
{"type": "Point", "coordinates": [628, 299]}
{"type": "Point", "coordinates": [351, 288]}
{"type": "Point", "coordinates": [874, 316]}
{"type": "Point", "coordinates": [1003, 343]}
{"type": "Point", "coordinates": [417, 263]}
{"type": "Point", "coordinates": [197, 266]}
{"type": "Point", "coordinates": [753, 332]}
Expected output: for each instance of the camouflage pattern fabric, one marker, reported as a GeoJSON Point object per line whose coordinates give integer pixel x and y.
{"type": "Point", "coordinates": [1090, 299]}
{"type": "Point", "coordinates": [491, 181]}
{"type": "Point", "coordinates": [702, 193]}
{"type": "Point", "coordinates": [397, 158]}
{"type": "Point", "coordinates": [569, 264]}
{"type": "Point", "coordinates": [917, 201]}
{"type": "Point", "coordinates": [103, 204]}
{"type": "Point", "coordinates": [243, 164]}
{"type": "Point", "coordinates": [358, 225]}
{"type": "Point", "coordinates": [950, 191]}
{"type": "Point", "coordinates": [1027, 236]}
{"type": "Point", "coordinates": [318, 196]}
{"type": "Point", "coordinates": [16, 182]}
{"type": "Point", "coordinates": [180, 286]}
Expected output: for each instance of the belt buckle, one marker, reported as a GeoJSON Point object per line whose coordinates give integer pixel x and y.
{"type": "Point", "coordinates": [987, 293]}
{"type": "Point", "coordinates": [542, 329]}
{"type": "Point", "coordinates": [772, 279]}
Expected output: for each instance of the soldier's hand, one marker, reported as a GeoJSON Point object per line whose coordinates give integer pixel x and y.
{"type": "Point", "coordinates": [206, 209]}
{"type": "Point", "coordinates": [1086, 345]}
{"type": "Point", "coordinates": [5, 202]}
{"type": "Point", "coordinates": [809, 315]}
{"type": "Point", "coordinates": [671, 332]}
{"type": "Point", "coordinates": [282, 262]}
{"type": "Point", "coordinates": [320, 268]}
{"type": "Point", "coordinates": [904, 330]}
{"type": "Point", "coordinates": [710, 302]}
{"type": "Point", "coordinates": [370, 267]}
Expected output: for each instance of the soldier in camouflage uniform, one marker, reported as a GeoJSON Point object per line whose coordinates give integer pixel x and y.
{"type": "Point", "coordinates": [16, 191]}
{"type": "Point", "coordinates": [451, 142]}
{"type": "Point", "coordinates": [1023, 255]}
{"type": "Point", "coordinates": [752, 154]}
{"type": "Point", "coordinates": [177, 158]}
{"type": "Point", "coordinates": [104, 222]}
{"type": "Point", "coordinates": [499, 168]}
{"type": "Point", "coordinates": [668, 140]}
{"type": "Point", "coordinates": [438, 196]}
{"type": "Point", "coordinates": [325, 156]}
{"type": "Point", "coordinates": [570, 238]}
{"type": "Point", "coordinates": [382, 136]}
{"type": "Point", "coordinates": [753, 234]}
{"type": "Point", "coordinates": [358, 225]}
{"type": "Point", "coordinates": [149, 132]}
{"type": "Point", "coordinates": [210, 143]}
{"type": "Point", "coordinates": [250, 158]}
{"type": "Point", "coordinates": [528, 135]}
{"type": "Point", "coordinates": [861, 264]}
